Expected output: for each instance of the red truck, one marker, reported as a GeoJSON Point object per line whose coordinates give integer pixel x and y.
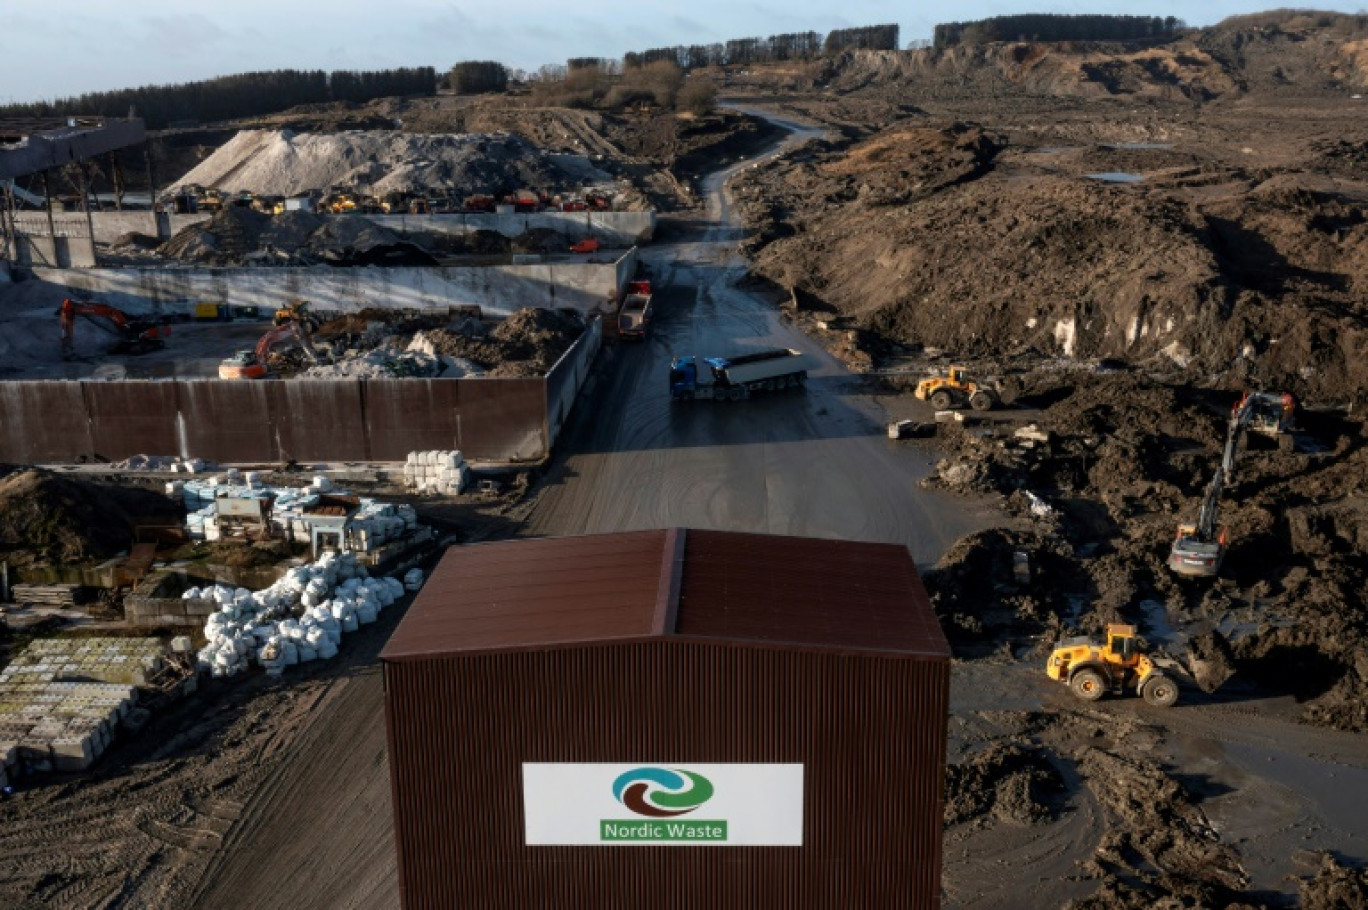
{"type": "Point", "coordinates": [635, 316]}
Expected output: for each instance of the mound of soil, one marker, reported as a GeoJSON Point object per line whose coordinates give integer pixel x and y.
{"type": "Point", "coordinates": [982, 599]}
{"type": "Point", "coordinates": [46, 517]}
{"type": "Point", "coordinates": [1159, 845]}
{"type": "Point", "coordinates": [1335, 887]}
{"type": "Point", "coordinates": [284, 163]}
{"type": "Point", "coordinates": [1008, 781]}
{"type": "Point", "coordinates": [239, 236]}
{"type": "Point", "coordinates": [969, 246]}
{"type": "Point", "coordinates": [527, 343]}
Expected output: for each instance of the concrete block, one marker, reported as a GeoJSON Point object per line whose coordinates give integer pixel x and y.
{"type": "Point", "coordinates": [73, 753]}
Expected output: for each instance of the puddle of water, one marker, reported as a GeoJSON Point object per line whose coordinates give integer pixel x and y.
{"type": "Point", "coordinates": [1158, 630]}
{"type": "Point", "coordinates": [1117, 177]}
{"type": "Point", "coordinates": [1339, 792]}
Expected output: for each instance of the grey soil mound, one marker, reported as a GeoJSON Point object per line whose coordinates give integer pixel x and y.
{"type": "Point", "coordinates": [284, 163]}
{"type": "Point", "coordinates": [239, 236]}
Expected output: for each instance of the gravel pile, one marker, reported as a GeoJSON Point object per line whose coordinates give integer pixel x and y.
{"type": "Point", "coordinates": [284, 163]}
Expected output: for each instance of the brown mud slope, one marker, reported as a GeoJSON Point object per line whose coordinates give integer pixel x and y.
{"type": "Point", "coordinates": [1235, 273]}
{"type": "Point", "coordinates": [44, 517]}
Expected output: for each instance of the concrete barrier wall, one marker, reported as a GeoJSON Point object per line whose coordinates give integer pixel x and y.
{"type": "Point", "coordinates": [272, 422]}
{"type": "Point", "coordinates": [612, 229]}
{"type": "Point", "coordinates": [567, 377]}
{"type": "Point", "coordinates": [496, 289]}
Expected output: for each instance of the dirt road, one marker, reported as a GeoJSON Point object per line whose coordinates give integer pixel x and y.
{"type": "Point", "coordinates": [814, 464]}
{"type": "Point", "coordinates": [318, 833]}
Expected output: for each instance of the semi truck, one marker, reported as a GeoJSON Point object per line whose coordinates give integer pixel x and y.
{"type": "Point", "coordinates": [634, 318]}
{"type": "Point", "coordinates": [735, 378]}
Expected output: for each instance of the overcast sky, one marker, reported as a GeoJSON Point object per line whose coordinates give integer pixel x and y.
{"type": "Point", "coordinates": [55, 48]}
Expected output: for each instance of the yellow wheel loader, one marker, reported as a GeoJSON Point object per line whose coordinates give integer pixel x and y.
{"type": "Point", "coordinates": [1093, 670]}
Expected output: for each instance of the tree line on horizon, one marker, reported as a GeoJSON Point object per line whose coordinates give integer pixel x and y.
{"type": "Point", "coordinates": [232, 97]}
{"type": "Point", "coordinates": [1055, 27]}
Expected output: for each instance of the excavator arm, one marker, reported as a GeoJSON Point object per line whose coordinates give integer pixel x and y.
{"type": "Point", "coordinates": [136, 336]}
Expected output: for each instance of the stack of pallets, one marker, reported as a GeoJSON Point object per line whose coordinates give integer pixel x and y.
{"type": "Point", "coordinates": [44, 595]}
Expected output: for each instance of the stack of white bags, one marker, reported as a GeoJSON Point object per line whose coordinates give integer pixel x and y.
{"type": "Point", "coordinates": [302, 617]}
{"type": "Point", "coordinates": [437, 472]}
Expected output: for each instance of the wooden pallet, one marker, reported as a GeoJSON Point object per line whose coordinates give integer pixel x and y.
{"type": "Point", "coordinates": [44, 595]}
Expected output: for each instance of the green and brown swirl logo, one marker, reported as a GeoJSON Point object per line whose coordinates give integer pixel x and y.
{"type": "Point", "coordinates": [662, 792]}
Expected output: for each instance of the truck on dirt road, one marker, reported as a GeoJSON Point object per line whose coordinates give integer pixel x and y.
{"type": "Point", "coordinates": [735, 378]}
{"type": "Point", "coordinates": [634, 318]}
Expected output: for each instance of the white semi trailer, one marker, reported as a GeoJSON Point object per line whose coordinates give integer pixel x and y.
{"type": "Point", "coordinates": [735, 378]}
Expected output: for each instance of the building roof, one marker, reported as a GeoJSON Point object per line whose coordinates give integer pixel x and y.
{"type": "Point", "coordinates": [721, 586]}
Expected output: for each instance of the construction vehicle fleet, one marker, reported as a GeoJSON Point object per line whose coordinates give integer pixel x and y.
{"type": "Point", "coordinates": [1199, 548]}
{"type": "Point", "coordinates": [135, 335]}
{"type": "Point", "coordinates": [956, 388]}
{"type": "Point", "coordinates": [735, 378]}
{"type": "Point", "coordinates": [1093, 670]}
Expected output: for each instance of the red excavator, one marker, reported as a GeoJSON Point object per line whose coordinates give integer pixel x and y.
{"type": "Point", "coordinates": [253, 364]}
{"type": "Point", "coordinates": [135, 336]}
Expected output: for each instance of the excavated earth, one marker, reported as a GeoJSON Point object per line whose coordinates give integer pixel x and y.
{"type": "Point", "coordinates": [1128, 238]}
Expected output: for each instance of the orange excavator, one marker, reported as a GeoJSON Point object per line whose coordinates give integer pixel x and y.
{"type": "Point", "coordinates": [135, 336]}
{"type": "Point", "coordinates": [254, 364]}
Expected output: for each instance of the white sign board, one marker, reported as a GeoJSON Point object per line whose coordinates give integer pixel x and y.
{"type": "Point", "coordinates": [663, 804]}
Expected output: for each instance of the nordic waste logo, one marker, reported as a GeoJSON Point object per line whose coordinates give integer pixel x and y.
{"type": "Point", "coordinates": [659, 796]}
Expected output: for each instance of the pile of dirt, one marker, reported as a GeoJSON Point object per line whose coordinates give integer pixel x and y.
{"type": "Point", "coordinates": [376, 343]}
{"type": "Point", "coordinates": [1007, 781]}
{"type": "Point", "coordinates": [527, 343]}
{"type": "Point", "coordinates": [985, 589]}
{"type": "Point", "coordinates": [1203, 265]}
{"type": "Point", "coordinates": [540, 240]}
{"type": "Point", "coordinates": [1123, 459]}
{"type": "Point", "coordinates": [238, 236]}
{"type": "Point", "coordinates": [284, 163]}
{"type": "Point", "coordinates": [1159, 845]}
{"type": "Point", "coordinates": [46, 517]}
{"type": "Point", "coordinates": [1335, 887]}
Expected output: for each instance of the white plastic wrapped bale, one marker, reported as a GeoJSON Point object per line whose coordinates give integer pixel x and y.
{"type": "Point", "coordinates": [442, 471]}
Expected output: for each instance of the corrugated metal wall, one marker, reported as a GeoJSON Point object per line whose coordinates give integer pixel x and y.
{"type": "Point", "coordinates": [869, 730]}
{"type": "Point", "coordinates": [234, 421]}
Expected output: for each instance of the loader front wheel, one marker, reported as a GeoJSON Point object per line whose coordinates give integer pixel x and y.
{"type": "Point", "coordinates": [981, 401]}
{"type": "Point", "coordinates": [1160, 691]}
{"type": "Point", "coordinates": [1088, 685]}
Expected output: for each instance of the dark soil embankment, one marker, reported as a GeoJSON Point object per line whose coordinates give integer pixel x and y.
{"type": "Point", "coordinates": [44, 517]}
{"type": "Point", "coordinates": [1114, 463]}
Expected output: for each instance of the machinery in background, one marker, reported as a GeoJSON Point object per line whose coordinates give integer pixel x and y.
{"type": "Point", "coordinates": [255, 364]}
{"type": "Point", "coordinates": [1093, 670]}
{"type": "Point", "coordinates": [634, 318]}
{"type": "Point", "coordinates": [134, 335]}
{"type": "Point", "coordinates": [1198, 549]}
{"type": "Point", "coordinates": [956, 388]}
{"type": "Point", "coordinates": [297, 311]}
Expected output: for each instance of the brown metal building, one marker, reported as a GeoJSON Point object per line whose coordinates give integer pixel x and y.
{"type": "Point", "coordinates": [783, 662]}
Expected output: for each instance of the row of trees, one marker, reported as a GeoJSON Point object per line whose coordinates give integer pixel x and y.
{"type": "Point", "coordinates": [775, 48]}
{"type": "Point", "coordinates": [476, 77]}
{"type": "Point", "coordinates": [231, 97]}
{"type": "Point", "coordinates": [1054, 27]}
